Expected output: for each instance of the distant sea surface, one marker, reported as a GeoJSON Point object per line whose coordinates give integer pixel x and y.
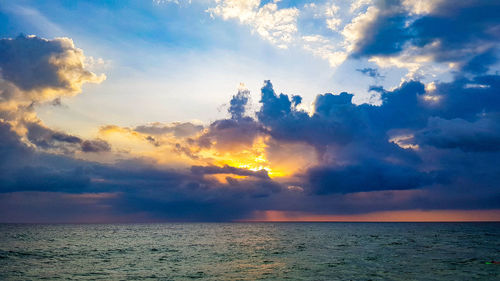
{"type": "Point", "coordinates": [251, 251]}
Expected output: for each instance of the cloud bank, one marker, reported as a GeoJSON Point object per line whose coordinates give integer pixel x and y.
{"type": "Point", "coordinates": [427, 146]}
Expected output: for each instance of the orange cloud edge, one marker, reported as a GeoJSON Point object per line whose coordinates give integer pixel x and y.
{"type": "Point", "coordinates": [383, 216]}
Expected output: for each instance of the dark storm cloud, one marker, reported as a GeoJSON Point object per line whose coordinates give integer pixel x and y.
{"type": "Point", "coordinates": [367, 176]}
{"type": "Point", "coordinates": [11, 149]}
{"type": "Point", "coordinates": [386, 34]}
{"type": "Point", "coordinates": [337, 121]}
{"type": "Point", "coordinates": [466, 32]}
{"type": "Point", "coordinates": [97, 145]}
{"type": "Point", "coordinates": [23, 169]}
{"type": "Point", "coordinates": [33, 63]}
{"type": "Point", "coordinates": [203, 200]}
{"type": "Point", "coordinates": [285, 122]}
{"type": "Point", "coordinates": [231, 134]}
{"type": "Point", "coordinates": [137, 186]}
{"type": "Point", "coordinates": [46, 138]}
{"type": "Point", "coordinates": [467, 98]}
{"type": "Point", "coordinates": [42, 178]}
{"type": "Point", "coordinates": [238, 103]}
{"type": "Point", "coordinates": [459, 27]}
{"type": "Point", "coordinates": [371, 72]}
{"type": "Point", "coordinates": [481, 63]}
{"type": "Point", "coordinates": [273, 106]}
{"type": "Point", "coordinates": [477, 136]}
{"type": "Point", "coordinates": [234, 133]}
{"type": "Point", "coordinates": [358, 143]}
{"type": "Point", "coordinates": [360, 168]}
{"type": "Point", "coordinates": [25, 62]}
{"type": "Point", "coordinates": [228, 170]}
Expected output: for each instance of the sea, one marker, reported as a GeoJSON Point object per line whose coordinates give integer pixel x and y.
{"type": "Point", "coordinates": [250, 251]}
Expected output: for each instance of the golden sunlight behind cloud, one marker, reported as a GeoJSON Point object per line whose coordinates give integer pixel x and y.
{"type": "Point", "coordinates": [279, 160]}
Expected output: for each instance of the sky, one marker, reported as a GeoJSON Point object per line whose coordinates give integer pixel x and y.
{"type": "Point", "coordinates": [249, 110]}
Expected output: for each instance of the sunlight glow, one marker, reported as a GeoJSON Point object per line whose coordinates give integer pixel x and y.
{"type": "Point", "coordinates": [253, 158]}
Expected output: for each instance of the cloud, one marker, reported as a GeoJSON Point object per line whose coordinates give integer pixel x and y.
{"type": "Point", "coordinates": [273, 24]}
{"type": "Point", "coordinates": [426, 37]}
{"type": "Point", "coordinates": [280, 25]}
{"type": "Point", "coordinates": [178, 2]}
{"type": "Point", "coordinates": [126, 187]}
{"type": "Point", "coordinates": [238, 103]}
{"type": "Point", "coordinates": [44, 137]}
{"type": "Point", "coordinates": [335, 119]}
{"type": "Point", "coordinates": [54, 67]}
{"type": "Point", "coordinates": [371, 72]}
{"type": "Point", "coordinates": [96, 145]}
{"type": "Point", "coordinates": [482, 135]}
{"type": "Point", "coordinates": [34, 70]}
{"type": "Point", "coordinates": [379, 31]}
{"type": "Point", "coordinates": [24, 169]}
{"type": "Point", "coordinates": [480, 64]}
{"type": "Point", "coordinates": [366, 148]}
{"type": "Point", "coordinates": [359, 169]}
{"type": "Point", "coordinates": [236, 133]}
{"type": "Point", "coordinates": [462, 34]}
{"type": "Point", "coordinates": [426, 146]}
{"type": "Point", "coordinates": [178, 129]}
{"type": "Point", "coordinates": [357, 4]}
{"type": "Point", "coordinates": [358, 165]}
{"type": "Point", "coordinates": [324, 48]}
{"type": "Point", "coordinates": [365, 177]}
{"type": "Point", "coordinates": [11, 148]}
{"type": "Point", "coordinates": [229, 170]}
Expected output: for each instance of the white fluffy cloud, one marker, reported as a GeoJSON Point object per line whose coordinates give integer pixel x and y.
{"type": "Point", "coordinates": [322, 47]}
{"type": "Point", "coordinates": [358, 4]}
{"type": "Point", "coordinates": [420, 7]}
{"type": "Point", "coordinates": [341, 30]}
{"type": "Point", "coordinates": [271, 23]}
{"type": "Point", "coordinates": [279, 26]}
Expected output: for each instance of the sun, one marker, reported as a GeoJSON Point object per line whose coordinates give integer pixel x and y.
{"type": "Point", "coordinates": [254, 159]}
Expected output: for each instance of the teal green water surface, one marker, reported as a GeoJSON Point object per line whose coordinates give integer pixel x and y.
{"type": "Point", "coordinates": [251, 251]}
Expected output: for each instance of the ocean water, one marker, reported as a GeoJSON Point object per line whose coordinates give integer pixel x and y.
{"type": "Point", "coordinates": [251, 251]}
